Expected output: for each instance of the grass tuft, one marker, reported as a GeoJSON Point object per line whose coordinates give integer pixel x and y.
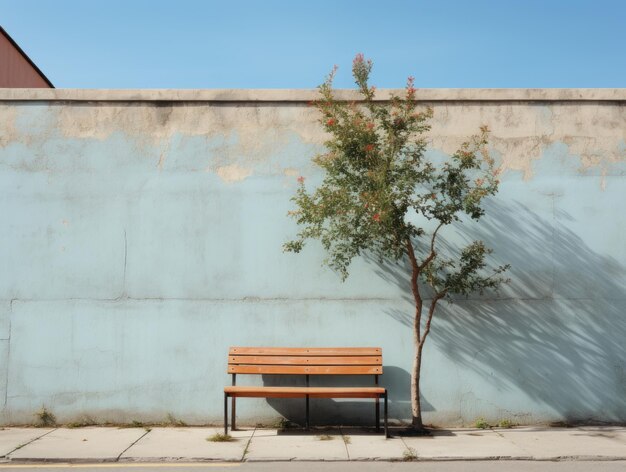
{"type": "Point", "coordinates": [173, 421]}
{"type": "Point", "coordinates": [409, 455]}
{"type": "Point", "coordinates": [219, 437]}
{"type": "Point", "coordinates": [283, 424]}
{"type": "Point", "coordinates": [481, 424]}
{"type": "Point", "coordinates": [82, 423]}
{"type": "Point", "coordinates": [45, 417]}
{"type": "Point", "coordinates": [506, 423]}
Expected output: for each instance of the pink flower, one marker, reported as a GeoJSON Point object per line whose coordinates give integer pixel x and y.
{"type": "Point", "coordinates": [369, 148]}
{"type": "Point", "coordinates": [331, 122]}
{"type": "Point", "coordinates": [410, 89]}
{"type": "Point", "coordinates": [300, 180]}
{"type": "Point", "coordinates": [376, 217]}
{"type": "Point", "coordinates": [370, 126]}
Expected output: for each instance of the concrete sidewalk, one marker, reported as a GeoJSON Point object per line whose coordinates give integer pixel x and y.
{"type": "Point", "coordinates": [105, 444]}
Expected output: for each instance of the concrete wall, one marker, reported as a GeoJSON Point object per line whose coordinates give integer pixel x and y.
{"type": "Point", "coordinates": [141, 236]}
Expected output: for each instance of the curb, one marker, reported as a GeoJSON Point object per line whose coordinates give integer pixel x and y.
{"type": "Point", "coordinates": [4, 461]}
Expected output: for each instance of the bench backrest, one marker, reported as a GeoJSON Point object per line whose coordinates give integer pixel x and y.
{"type": "Point", "coordinates": [312, 360]}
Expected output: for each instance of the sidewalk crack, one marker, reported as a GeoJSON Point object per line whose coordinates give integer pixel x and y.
{"type": "Point", "coordinates": [345, 441]}
{"type": "Point", "coordinates": [133, 443]}
{"type": "Point", "coordinates": [510, 441]}
{"type": "Point", "coordinates": [409, 450]}
{"type": "Point", "coordinates": [27, 443]}
{"type": "Point", "coordinates": [245, 449]}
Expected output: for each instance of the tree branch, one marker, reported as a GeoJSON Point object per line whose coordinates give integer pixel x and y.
{"type": "Point", "coordinates": [414, 272]}
{"type": "Point", "coordinates": [432, 254]}
{"type": "Point", "coordinates": [431, 312]}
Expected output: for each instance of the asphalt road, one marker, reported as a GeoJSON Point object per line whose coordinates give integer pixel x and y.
{"type": "Point", "coordinates": [448, 466]}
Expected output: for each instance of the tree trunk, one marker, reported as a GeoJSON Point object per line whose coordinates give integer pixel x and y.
{"type": "Point", "coordinates": [419, 339]}
{"type": "Point", "coordinates": [416, 404]}
{"type": "Point", "coordinates": [416, 407]}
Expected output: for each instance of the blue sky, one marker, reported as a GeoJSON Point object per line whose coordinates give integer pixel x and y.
{"type": "Point", "coordinates": [293, 44]}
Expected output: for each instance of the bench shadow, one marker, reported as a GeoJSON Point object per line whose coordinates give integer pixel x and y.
{"type": "Point", "coordinates": [552, 342]}
{"type": "Point", "coordinates": [343, 412]}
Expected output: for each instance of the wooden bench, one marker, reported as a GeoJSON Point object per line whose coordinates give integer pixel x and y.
{"type": "Point", "coordinates": [305, 361]}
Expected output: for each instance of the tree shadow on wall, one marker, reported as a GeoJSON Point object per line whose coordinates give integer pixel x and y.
{"type": "Point", "coordinates": [557, 332]}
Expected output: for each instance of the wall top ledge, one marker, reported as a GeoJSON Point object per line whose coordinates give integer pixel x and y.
{"type": "Point", "coordinates": [305, 95]}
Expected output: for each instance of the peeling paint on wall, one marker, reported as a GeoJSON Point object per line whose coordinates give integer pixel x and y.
{"type": "Point", "coordinates": [521, 133]}
{"type": "Point", "coordinates": [233, 173]}
{"type": "Point", "coordinates": [594, 133]}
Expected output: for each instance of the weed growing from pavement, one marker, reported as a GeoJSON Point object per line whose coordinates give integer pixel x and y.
{"type": "Point", "coordinates": [82, 423]}
{"type": "Point", "coordinates": [481, 424]}
{"type": "Point", "coordinates": [409, 455]}
{"type": "Point", "coordinates": [280, 424]}
{"type": "Point", "coordinates": [219, 437]}
{"type": "Point", "coordinates": [506, 423]}
{"type": "Point", "coordinates": [325, 437]}
{"type": "Point", "coordinates": [45, 417]}
{"type": "Point", "coordinates": [173, 421]}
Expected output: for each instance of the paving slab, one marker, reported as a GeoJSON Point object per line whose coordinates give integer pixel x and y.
{"type": "Point", "coordinates": [559, 443]}
{"type": "Point", "coordinates": [460, 444]}
{"type": "Point", "coordinates": [370, 446]}
{"type": "Point", "coordinates": [179, 444]}
{"type": "Point", "coordinates": [95, 444]}
{"type": "Point", "coordinates": [273, 445]}
{"type": "Point", "coordinates": [12, 438]}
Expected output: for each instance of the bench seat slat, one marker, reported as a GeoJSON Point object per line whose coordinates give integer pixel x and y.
{"type": "Point", "coordinates": [301, 360]}
{"type": "Point", "coordinates": [307, 369]}
{"type": "Point", "coordinates": [300, 392]}
{"type": "Point", "coordinates": [309, 351]}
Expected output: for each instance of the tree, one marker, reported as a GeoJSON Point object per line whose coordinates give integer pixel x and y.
{"type": "Point", "coordinates": [382, 195]}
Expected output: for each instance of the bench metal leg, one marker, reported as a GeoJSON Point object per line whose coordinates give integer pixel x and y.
{"type": "Point", "coordinates": [225, 414]}
{"type": "Point", "coordinates": [377, 408]}
{"type": "Point", "coordinates": [308, 425]}
{"type": "Point", "coordinates": [233, 426]}
{"type": "Point", "coordinates": [386, 425]}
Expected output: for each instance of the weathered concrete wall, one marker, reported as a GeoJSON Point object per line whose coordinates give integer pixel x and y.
{"type": "Point", "coordinates": [141, 236]}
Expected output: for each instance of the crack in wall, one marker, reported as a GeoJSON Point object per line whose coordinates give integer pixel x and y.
{"type": "Point", "coordinates": [125, 265]}
{"type": "Point", "coordinates": [8, 361]}
{"type": "Point", "coordinates": [299, 300]}
{"type": "Point", "coordinates": [217, 300]}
